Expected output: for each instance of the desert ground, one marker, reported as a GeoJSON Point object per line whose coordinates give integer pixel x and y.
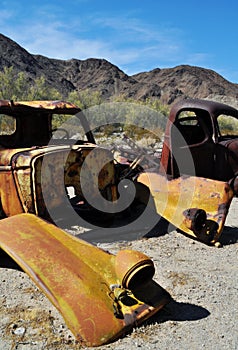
{"type": "Point", "coordinates": [201, 279]}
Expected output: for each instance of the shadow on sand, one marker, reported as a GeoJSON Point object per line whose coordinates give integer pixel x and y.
{"type": "Point", "coordinates": [7, 262]}
{"type": "Point", "coordinates": [229, 235]}
{"type": "Point", "coordinates": [176, 311]}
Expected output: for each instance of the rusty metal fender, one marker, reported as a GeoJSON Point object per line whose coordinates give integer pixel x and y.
{"type": "Point", "coordinates": [101, 296]}
{"type": "Point", "coordinates": [195, 205]}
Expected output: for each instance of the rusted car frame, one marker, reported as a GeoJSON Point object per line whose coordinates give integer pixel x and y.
{"type": "Point", "coordinates": [209, 131]}
{"type": "Point", "coordinates": [25, 143]}
{"type": "Point", "coordinates": [201, 141]}
{"type": "Point", "coordinates": [196, 179]}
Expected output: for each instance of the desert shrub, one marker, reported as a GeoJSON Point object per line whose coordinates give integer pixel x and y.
{"type": "Point", "coordinates": [18, 86]}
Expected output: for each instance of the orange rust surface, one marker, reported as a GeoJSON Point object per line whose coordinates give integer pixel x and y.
{"type": "Point", "coordinates": [173, 197]}
{"type": "Point", "coordinates": [22, 177]}
{"type": "Point", "coordinates": [76, 277]}
{"type": "Point", "coordinates": [10, 200]}
{"type": "Point", "coordinates": [44, 104]}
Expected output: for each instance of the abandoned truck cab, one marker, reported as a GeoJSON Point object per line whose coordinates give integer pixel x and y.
{"type": "Point", "coordinates": [197, 176]}
{"type": "Point", "coordinates": [29, 136]}
{"type": "Point", "coordinates": [206, 131]}
{"type": "Point", "coordinates": [31, 123]}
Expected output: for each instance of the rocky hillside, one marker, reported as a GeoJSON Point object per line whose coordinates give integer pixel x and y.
{"type": "Point", "coordinates": [94, 74]}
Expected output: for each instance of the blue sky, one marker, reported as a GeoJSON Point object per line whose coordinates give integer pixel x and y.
{"type": "Point", "coordinates": [135, 35]}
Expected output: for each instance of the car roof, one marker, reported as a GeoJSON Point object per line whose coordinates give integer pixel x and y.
{"type": "Point", "coordinates": [213, 107]}
{"type": "Point", "coordinates": [14, 107]}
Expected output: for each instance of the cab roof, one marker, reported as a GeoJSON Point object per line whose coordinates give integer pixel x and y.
{"type": "Point", "coordinates": [213, 107]}
{"type": "Point", "coordinates": [13, 107]}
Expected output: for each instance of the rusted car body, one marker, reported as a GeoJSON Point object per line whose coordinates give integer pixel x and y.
{"type": "Point", "coordinates": [26, 140]}
{"type": "Point", "coordinates": [208, 130]}
{"type": "Point", "coordinates": [201, 143]}
{"type": "Point", "coordinates": [196, 179]}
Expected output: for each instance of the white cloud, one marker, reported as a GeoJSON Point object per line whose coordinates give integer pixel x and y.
{"type": "Point", "coordinates": [124, 41]}
{"type": "Point", "coordinates": [197, 58]}
{"type": "Point", "coordinates": [54, 40]}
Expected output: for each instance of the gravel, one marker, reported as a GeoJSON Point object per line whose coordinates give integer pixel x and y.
{"type": "Point", "coordinates": [202, 281]}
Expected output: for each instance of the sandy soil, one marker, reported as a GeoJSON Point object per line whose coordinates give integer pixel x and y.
{"type": "Point", "coordinates": [202, 281]}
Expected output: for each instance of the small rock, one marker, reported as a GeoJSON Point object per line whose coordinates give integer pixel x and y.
{"type": "Point", "coordinates": [19, 331]}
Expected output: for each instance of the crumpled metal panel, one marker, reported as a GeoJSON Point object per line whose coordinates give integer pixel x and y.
{"type": "Point", "coordinates": [86, 284]}
{"type": "Point", "coordinates": [198, 206]}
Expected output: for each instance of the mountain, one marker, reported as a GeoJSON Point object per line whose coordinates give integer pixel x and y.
{"type": "Point", "coordinates": [189, 81]}
{"type": "Point", "coordinates": [168, 84]}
